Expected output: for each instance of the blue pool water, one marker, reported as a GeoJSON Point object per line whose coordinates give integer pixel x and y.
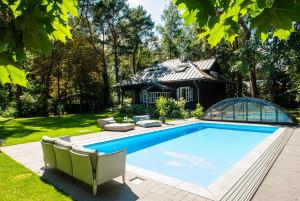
{"type": "Point", "coordinates": [196, 153]}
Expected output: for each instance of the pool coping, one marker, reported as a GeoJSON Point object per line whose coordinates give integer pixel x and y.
{"type": "Point", "coordinates": [221, 185]}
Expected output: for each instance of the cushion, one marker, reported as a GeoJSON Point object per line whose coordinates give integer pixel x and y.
{"type": "Point", "coordinates": [48, 139]}
{"type": "Point", "coordinates": [148, 123]}
{"type": "Point", "coordinates": [63, 143]}
{"type": "Point", "coordinates": [119, 127]}
{"type": "Point", "coordinates": [141, 118]}
{"type": "Point", "coordinates": [103, 122]}
{"type": "Point", "coordinates": [92, 154]}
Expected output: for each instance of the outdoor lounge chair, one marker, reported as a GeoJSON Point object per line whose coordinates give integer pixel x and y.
{"type": "Point", "coordinates": [84, 164]}
{"type": "Point", "coordinates": [110, 124]}
{"type": "Point", "coordinates": [144, 121]}
{"type": "Point", "coordinates": [48, 150]}
{"type": "Point", "coordinates": [107, 168]}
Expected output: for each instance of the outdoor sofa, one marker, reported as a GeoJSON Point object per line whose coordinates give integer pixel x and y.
{"type": "Point", "coordinates": [84, 164]}
{"type": "Point", "coordinates": [144, 121]}
{"type": "Point", "coordinates": [110, 124]}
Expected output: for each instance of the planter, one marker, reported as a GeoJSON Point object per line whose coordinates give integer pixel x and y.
{"type": "Point", "coordinates": [162, 119]}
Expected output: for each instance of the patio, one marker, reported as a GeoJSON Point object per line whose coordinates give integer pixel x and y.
{"type": "Point", "coordinates": [280, 183]}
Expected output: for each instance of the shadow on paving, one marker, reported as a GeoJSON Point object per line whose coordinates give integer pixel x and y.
{"type": "Point", "coordinates": [109, 191]}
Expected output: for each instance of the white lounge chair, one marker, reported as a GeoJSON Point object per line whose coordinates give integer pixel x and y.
{"type": "Point", "coordinates": [144, 121]}
{"type": "Point", "coordinates": [110, 124]}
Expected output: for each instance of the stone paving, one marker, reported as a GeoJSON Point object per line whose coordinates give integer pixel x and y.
{"type": "Point", "coordinates": [282, 182]}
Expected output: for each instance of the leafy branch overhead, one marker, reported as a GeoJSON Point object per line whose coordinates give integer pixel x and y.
{"type": "Point", "coordinates": [30, 26]}
{"type": "Point", "coordinates": [221, 19]}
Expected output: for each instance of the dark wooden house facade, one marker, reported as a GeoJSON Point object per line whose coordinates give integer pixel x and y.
{"type": "Point", "coordinates": [196, 82]}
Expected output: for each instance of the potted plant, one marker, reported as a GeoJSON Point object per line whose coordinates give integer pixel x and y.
{"type": "Point", "coordinates": [161, 107]}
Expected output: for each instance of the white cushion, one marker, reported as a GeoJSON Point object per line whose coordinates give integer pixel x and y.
{"type": "Point", "coordinates": [119, 127]}
{"type": "Point", "coordinates": [103, 122]}
{"type": "Point", "coordinates": [63, 143]}
{"type": "Point", "coordinates": [148, 123]}
{"type": "Point", "coordinates": [48, 139]}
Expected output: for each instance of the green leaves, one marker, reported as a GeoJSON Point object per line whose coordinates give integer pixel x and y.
{"type": "Point", "coordinates": [220, 19]}
{"type": "Point", "coordinates": [31, 26]}
{"type": "Point", "coordinates": [9, 73]}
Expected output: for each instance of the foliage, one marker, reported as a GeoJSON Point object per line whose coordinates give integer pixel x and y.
{"type": "Point", "coordinates": [176, 108]}
{"type": "Point", "coordinates": [30, 26]}
{"type": "Point", "coordinates": [9, 111]}
{"type": "Point", "coordinates": [137, 109]}
{"type": "Point", "coordinates": [198, 112]}
{"type": "Point", "coordinates": [222, 19]}
{"type": "Point", "coordinates": [161, 106]}
{"type": "Point", "coordinates": [170, 31]}
{"type": "Point", "coordinates": [18, 184]}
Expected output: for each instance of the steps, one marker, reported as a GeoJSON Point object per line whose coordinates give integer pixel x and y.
{"type": "Point", "coordinates": [246, 186]}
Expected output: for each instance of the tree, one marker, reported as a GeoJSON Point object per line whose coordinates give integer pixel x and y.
{"type": "Point", "coordinates": [222, 19]}
{"type": "Point", "coordinates": [219, 20]}
{"type": "Point", "coordinates": [30, 26]}
{"type": "Point", "coordinates": [170, 31]}
{"type": "Point", "coordinates": [138, 29]}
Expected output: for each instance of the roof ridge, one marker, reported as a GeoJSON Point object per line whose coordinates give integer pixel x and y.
{"type": "Point", "coordinates": [200, 71]}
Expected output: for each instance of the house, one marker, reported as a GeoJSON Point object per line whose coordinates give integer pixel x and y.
{"type": "Point", "coordinates": [196, 82]}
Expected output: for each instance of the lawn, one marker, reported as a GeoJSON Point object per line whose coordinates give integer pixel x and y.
{"type": "Point", "coordinates": [295, 112]}
{"type": "Point", "coordinates": [22, 130]}
{"type": "Point", "coordinates": [18, 184]}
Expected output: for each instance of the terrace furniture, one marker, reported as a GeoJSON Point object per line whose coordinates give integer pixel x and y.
{"type": "Point", "coordinates": [48, 149]}
{"type": "Point", "coordinates": [110, 124]}
{"type": "Point", "coordinates": [144, 121]}
{"type": "Point", "coordinates": [84, 164]}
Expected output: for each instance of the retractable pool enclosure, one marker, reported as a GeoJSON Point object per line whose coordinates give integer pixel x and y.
{"type": "Point", "coordinates": [249, 110]}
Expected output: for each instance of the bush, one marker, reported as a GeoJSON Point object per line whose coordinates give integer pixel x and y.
{"type": "Point", "coordinates": [176, 109]}
{"type": "Point", "coordinates": [29, 104]}
{"type": "Point", "coordinates": [198, 112]}
{"type": "Point", "coordinates": [161, 106]}
{"type": "Point", "coordinates": [9, 112]}
{"type": "Point", "coordinates": [137, 109]}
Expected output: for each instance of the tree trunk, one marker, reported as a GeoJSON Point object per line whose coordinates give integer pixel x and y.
{"type": "Point", "coordinates": [253, 82]}
{"type": "Point", "coordinates": [246, 38]}
{"type": "Point", "coordinates": [239, 84]}
{"type": "Point", "coordinates": [134, 69]}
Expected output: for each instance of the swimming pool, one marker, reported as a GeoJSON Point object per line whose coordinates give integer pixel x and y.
{"type": "Point", "coordinates": [197, 153]}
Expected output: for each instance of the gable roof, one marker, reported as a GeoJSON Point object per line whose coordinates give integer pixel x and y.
{"type": "Point", "coordinates": [170, 71]}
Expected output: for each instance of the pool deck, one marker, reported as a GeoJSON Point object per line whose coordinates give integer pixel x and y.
{"type": "Point", "coordinates": [281, 183]}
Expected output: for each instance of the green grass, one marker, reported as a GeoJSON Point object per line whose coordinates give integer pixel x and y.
{"type": "Point", "coordinates": [22, 130]}
{"type": "Point", "coordinates": [19, 184]}
{"type": "Point", "coordinates": [295, 112]}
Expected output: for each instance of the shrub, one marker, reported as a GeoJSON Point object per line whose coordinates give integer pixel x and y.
{"type": "Point", "coordinates": [9, 112]}
{"type": "Point", "coordinates": [176, 109]}
{"type": "Point", "coordinates": [137, 109]}
{"type": "Point", "coordinates": [161, 106]}
{"type": "Point", "coordinates": [198, 112]}
{"type": "Point", "coordinates": [29, 104]}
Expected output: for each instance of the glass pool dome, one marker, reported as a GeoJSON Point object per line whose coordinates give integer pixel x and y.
{"type": "Point", "coordinates": [249, 110]}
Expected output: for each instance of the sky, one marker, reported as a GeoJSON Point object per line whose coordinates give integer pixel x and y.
{"type": "Point", "coordinates": [153, 7]}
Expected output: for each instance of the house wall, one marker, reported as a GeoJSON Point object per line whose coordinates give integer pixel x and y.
{"type": "Point", "coordinates": [209, 92]}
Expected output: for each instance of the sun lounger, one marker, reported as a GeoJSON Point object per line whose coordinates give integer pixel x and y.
{"type": "Point", "coordinates": [110, 124]}
{"type": "Point", "coordinates": [144, 121]}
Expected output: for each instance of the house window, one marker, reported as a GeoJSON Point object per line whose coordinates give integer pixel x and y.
{"type": "Point", "coordinates": [144, 96]}
{"type": "Point", "coordinates": [185, 92]}
{"type": "Point", "coordinates": [151, 97]}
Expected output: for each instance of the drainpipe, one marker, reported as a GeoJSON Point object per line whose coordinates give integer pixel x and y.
{"type": "Point", "coordinates": [197, 90]}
